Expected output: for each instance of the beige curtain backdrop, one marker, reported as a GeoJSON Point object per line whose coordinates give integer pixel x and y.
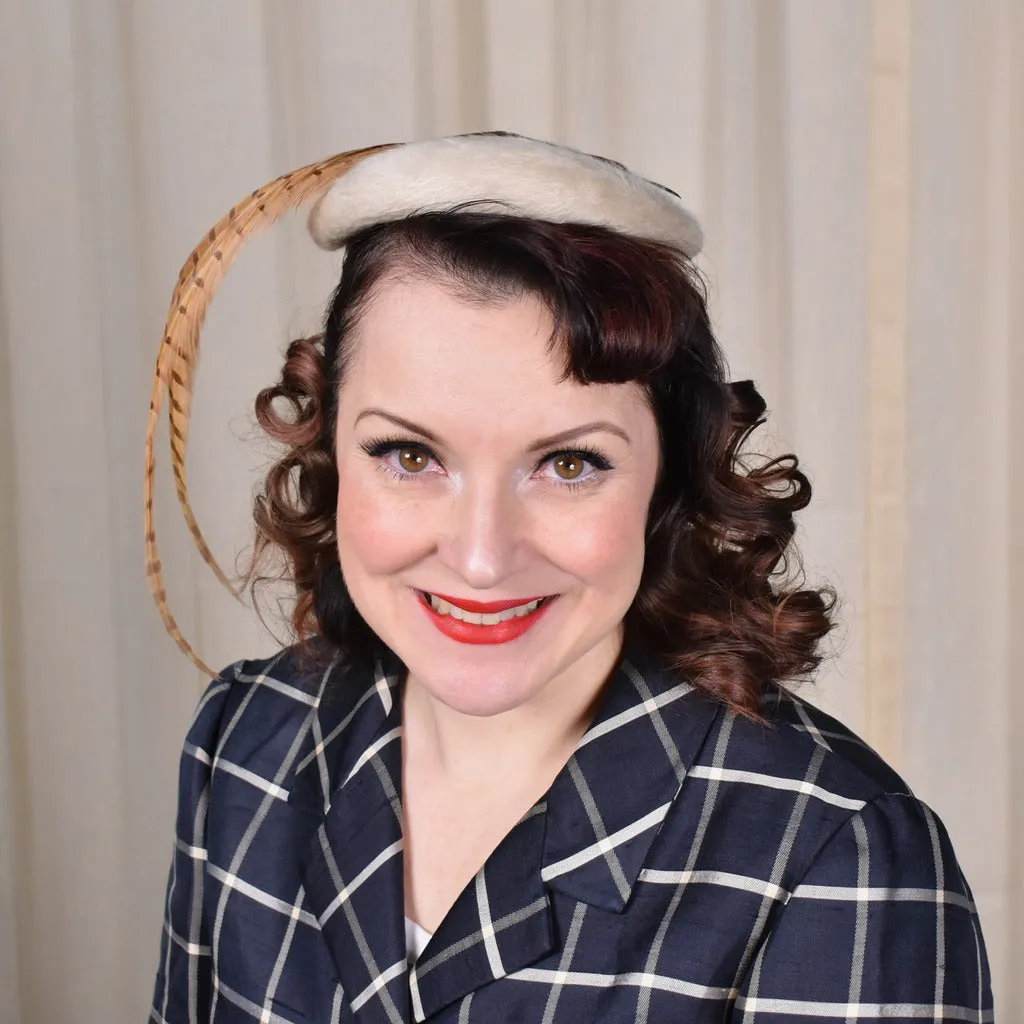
{"type": "Point", "coordinates": [857, 166]}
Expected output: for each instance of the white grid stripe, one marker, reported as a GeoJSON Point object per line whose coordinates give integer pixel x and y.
{"type": "Point", "coordinates": [707, 809]}
{"type": "Point", "coordinates": [346, 891]}
{"type": "Point", "coordinates": [776, 782]}
{"type": "Point", "coordinates": [860, 833]}
{"type": "Point", "coordinates": [977, 945]}
{"type": "Point", "coordinates": [809, 725]}
{"type": "Point", "coordinates": [339, 995]}
{"type": "Point", "coordinates": [257, 895]}
{"type": "Point", "coordinates": [271, 683]}
{"type": "Point", "coordinates": [198, 753]}
{"type": "Point", "coordinates": [326, 741]}
{"type": "Point", "coordinates": [487, 927]}
{"type": "Point", "coordinates": [639, 710]}
{"type": "Point", "coordinates": [246, 775]}
{"type": "Point", "coordinates": [318, 742]}
{"type": "Point", "coordinates": [564, 963]}
{"type": "Point", "coordinates": [382, 685]}
{"type": "Point", "coordinates": [267, 1013]}
{"type": "Point", "coordinates": [860, 1011]}
{"type": "Point", "coordinates": [599, 849]}
{"type": "Point", "coordinates": [600, 831]}
{"type": "Point", "coordinates": [724, 878]}
{"type": "Point", "coordinates": [215, 690]}
{"type": "Point", "coordinates": [381, 978]}
{"type": "Point", "coordinates": [193, 852]}
{"type": "Point", "coordinates": [834, 734]}
{"type": "Point", "coordinates": [940, 931]}
{"type": "Point", "coordinates": [880, 894]}
{"type": "Point", "coordinates": [414, 996]}
{"type": "Point", "coordinates": [654, 716]}
{"type": "Point", "coordinates": [195, 921]}
{"type": "Point", "coordinates": [424, 967]}
{"type": "Point", "coordinates": [379, 983]}
{"type": "Point", "coordinates": [373, 750]}
{"type": "Point", "coordinates": [168, 917]}
{"type": "Point", "coordinates": [637, 979]}
{"type": "Point", "coordinates": [782, 856]}
{"type": "Point", "coordinates": [191, 948]}
{"type": "Point", "coordinates": [243, 1003]}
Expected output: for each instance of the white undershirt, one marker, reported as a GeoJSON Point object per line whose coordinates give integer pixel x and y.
{"type": "Point", "coordinates": [416, 939]}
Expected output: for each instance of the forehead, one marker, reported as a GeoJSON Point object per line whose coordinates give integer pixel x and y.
{"type": "Point", "coordinates": [427, 346]}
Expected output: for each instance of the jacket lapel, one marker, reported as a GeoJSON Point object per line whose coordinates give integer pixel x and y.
{"type": "Point", "coordinates": [353, 869]}
{"type": "Point", "coordinates": [500, 923]}
{"type": "Point", "coordinates": [606, 807]}
{"type": "Point", "coordinates": [588, 838]}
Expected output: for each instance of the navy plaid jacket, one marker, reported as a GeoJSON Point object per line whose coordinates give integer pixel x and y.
{"type": "Point", "coordinates": [686, 865]}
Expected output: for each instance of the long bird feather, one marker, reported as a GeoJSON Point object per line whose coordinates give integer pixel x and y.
{"type": "Point", "coordinates": [178, 355]}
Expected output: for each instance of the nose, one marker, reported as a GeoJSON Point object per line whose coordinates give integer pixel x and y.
{"type": "Point", "coordinates": [483, 534]}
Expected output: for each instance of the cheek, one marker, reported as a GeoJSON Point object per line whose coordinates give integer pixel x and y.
{"type": "Point", "coordinates": [375, 530]}
{"type": "Point", "coordinates": [604, 542]}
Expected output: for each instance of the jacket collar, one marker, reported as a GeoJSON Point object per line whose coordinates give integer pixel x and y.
{"type": "Point", "coordinates": [588, 838]}
{"type": "Point", "coordinates": [607, 805]}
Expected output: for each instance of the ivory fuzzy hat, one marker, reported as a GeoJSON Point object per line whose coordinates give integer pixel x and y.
{"type": "Point", "coordinates": [491, 171]}
{"type": "Point", "coordinates": [501, 173]}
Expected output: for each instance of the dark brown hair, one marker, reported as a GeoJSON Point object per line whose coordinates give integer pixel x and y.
{"type": "Point", "coordinates": [717, 595]}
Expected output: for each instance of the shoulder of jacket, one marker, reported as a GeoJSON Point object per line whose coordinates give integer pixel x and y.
{"type": "Point", "coordinates": [906, 846]}
{"type": "Point", "coordinates": [250, 690]}
{"type": "Point", "coordinates": [825, 785]}
{"type": "Point", "coordinates": [265, 718]}
{"type": "Point", "coordinates": [842, 757]}
{"type": "Point", "coordinates": [798, 765]}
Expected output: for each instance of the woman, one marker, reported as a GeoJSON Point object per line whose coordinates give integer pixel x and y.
{"type": "Point", "coordinates": [531, 757]}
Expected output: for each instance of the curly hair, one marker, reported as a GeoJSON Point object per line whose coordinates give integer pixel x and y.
{"type": "Point", "coordinates": [718, 597]}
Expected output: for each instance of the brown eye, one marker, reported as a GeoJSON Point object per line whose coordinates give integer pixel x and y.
{"type": "Point", "coordinates": [412, 460]}
{"type": "Point", "coordinates": [568, 467]}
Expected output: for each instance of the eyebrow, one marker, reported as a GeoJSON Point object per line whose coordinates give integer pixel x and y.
{"type": "Point", "coordinates": [541, 442]}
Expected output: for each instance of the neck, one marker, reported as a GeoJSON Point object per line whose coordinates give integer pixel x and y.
{"type": "Point", "coordinates": [538, 735]}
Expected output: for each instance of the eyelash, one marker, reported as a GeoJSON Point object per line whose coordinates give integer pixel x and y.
{"type": "Point", "coordinates": [378, 447]}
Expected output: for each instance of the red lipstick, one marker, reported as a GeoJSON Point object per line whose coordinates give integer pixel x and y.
{"type": "Point", "coordinates": [487, 607]}
{"type": "Point", "coordinates": [471, 633]}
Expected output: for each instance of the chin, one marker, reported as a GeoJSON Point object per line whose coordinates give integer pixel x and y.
{"type": "Point", "coordinates": [475, 693]}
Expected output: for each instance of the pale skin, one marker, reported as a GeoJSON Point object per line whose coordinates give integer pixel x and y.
{"type": "Point", "coordinates": [475, 512]}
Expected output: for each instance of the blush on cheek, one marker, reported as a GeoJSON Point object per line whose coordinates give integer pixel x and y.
{"type": "Point", "coordinates": [377, 531]}
{"type": "Point", "coordinates": [599, 548]}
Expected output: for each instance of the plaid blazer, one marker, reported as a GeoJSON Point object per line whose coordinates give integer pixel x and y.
{"type": "Point", "coordinates": [686, 865]}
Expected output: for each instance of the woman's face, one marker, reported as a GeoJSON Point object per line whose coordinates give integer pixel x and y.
{"type": "Point", "coordinates": [464, 472]}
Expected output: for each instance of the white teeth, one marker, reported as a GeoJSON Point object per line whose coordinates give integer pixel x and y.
{"type": "Point", "coordinates": [442, 607]}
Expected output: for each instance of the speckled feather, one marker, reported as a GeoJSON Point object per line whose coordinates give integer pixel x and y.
{"type": "Point", "coordinates": [179, 351]}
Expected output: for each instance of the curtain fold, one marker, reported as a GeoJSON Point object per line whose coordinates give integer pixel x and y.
{"type": "Point", "coordinates": [856, 167]}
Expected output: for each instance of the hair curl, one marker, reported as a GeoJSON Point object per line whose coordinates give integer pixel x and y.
{"type": "Point", "coordinates": [717, 597]}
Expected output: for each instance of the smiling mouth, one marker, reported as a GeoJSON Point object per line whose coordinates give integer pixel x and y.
{"type": "Point", "coordinates": [481, 613]}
